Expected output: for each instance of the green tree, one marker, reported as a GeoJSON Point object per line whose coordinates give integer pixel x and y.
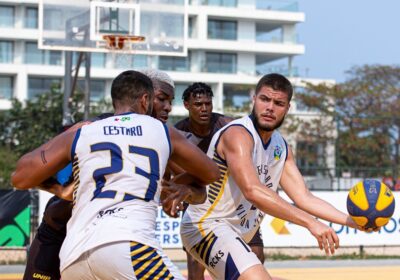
{"type": "Point", "coordinates": [361, 116]}
{"type": "Point", "coordinates": [26, 126]}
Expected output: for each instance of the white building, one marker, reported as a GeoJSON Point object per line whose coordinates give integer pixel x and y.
{"type": "Point", "coordinates": [232, 43]}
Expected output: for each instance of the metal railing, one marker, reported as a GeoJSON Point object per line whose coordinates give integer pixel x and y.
{"type": "Point", "coordinates": [338, 179]}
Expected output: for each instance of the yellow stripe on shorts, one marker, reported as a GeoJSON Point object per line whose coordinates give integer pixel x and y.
{"type": "Point", "coordinates": [147, 263]}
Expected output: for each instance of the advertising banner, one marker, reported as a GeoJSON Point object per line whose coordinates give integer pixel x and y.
{"type": "Point", "coordinates": [279, 233]}
{"type": "Point", "coordinates": [15, 216]}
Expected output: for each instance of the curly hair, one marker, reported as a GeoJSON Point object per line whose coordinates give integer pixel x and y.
{"type": "Point", "coordinates": [197, 89]}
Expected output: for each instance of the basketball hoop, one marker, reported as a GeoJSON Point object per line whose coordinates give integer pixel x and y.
{"type": "Point", "coordinates": [121, 42]}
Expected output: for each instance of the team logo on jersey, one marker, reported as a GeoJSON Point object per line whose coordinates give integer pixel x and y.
{"type": "Point", "coordinates": [277, 152]}
{"type": "Point", "coordinates": [110, 212]}
{"type": "Point", "coordinates": [123, 119]}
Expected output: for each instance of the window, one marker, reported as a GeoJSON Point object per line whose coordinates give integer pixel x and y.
{"type": "Point", "coordinates": [221, 29]}
{"type": "Point", "coordinates": [38, 86]}
{"type": "Point", "coordinates": [53, 57]}
{"type": "Point", "coordinates": [220, 63]}
{"type": "Point", "coordinates": [35, 56]}
{"type": "Point", "coordinates": [6, 51]}
{"type": "Point", "coordinates": [97, 89]}
{"type": "Point", "coordinates": [6, 16]}
{"type": "Point", "coordinates": [6, 87]}
{"type": "Point", "coordinates": [31, 18]}
{"type": "Point", "coordinates": [140, 61]}
{"type": "Point", "coordinates": [32, 54]}
{"type": "Point", "coordinates": [98, 60]}
{"type": "Point", "coordinates": [179, 89]}
{"type": "Point", "coordinates": [174, 63]}
{"type": "Point", "coordinates": [55, 18]}
{"type": "Point", "coordinates": [237, 98]}
{"type": "Point", "coordinates": [192, 27]}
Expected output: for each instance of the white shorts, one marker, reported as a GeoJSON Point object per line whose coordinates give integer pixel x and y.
{"type": "Point", "coordinates": [120, 261]}
{"type": "Point", "coordinates": [223, 253]}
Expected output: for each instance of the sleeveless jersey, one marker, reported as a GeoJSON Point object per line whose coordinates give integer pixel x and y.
{"type": "Point", "coordinates": [117, 166]}
{"type": "Point", "coordinates": [217, 122]}
{"type": "Point", "coordinates": [225, 201]}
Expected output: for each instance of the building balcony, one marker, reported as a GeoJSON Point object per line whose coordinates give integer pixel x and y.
{"type": "Point", "coordinates": [274, 5]}
{"type": "Point", "coordinates": [274, 49]}
{"type": "Point", "coordinates": [248, 13]}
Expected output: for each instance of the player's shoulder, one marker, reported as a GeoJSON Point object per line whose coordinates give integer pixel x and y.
{"type": "Point", "coordinates": [277, 136]}
{"type": "Point", "coordinates": [220, 120]}
{"type": "Point", "coordinates": [183, 125]}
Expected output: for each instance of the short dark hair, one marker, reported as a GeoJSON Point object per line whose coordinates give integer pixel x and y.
{"type": "Point", "coordinates": [276, 82]}
{"type": "Point", "coordinates": [196, 89]}
{"type": "Point", "coordinates": [130, 85]}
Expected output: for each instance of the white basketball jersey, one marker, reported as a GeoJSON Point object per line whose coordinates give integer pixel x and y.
{"type": "Point", "coordinates": [117, 166]}
{"type": "Point", "coordinates": [225, 201]}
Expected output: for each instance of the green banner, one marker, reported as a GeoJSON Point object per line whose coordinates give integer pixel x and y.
{"type": "Point", "coordinates": [15, 215]}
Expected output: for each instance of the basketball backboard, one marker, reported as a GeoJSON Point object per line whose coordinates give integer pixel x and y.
{"type": "Point", "coordinates": [153, 27]}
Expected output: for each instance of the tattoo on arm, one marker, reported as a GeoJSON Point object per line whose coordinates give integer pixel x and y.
{"type": "Point", "coordinates": [42, 154]}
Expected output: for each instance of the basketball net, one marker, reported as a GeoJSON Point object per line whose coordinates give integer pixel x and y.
{"type": "Point", "coordinates": [121, 47]}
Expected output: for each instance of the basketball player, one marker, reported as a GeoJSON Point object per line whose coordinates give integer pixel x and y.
{"type": "Point", "coordinates": [163, 93]}
{"type": "Point", "coordinates": [199, 128]}
{"type": "Point", "coordinates": [43, 255]}
{"type": "Point", "coordinates": [253, 159]}
{"type": "Point", "coordinates": [117, 163]}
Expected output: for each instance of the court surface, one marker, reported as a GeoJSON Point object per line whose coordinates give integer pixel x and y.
{"type": "Point", "coordinates": [295, 270]}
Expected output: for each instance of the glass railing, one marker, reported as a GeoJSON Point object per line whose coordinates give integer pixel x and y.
{"type": "Point", "coordinates": [222, 34]}
{"type": "Point", "coordinates": [278, 5]}
{"type": "Point", "coordinates": [219, 67]}
{"type": "Point", "coordinates": [6, 87]}
{"type": "Point", "coordinates": [262, 69]}
{"type": "Point", "coordinates": [268, 37]}
{"type": "Point", "coordinates": [221, 3]}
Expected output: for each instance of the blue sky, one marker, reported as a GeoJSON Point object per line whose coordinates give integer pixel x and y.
{"type": "Point", "coordinates": [338, 34]}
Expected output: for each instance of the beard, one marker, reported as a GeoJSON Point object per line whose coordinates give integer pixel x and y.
{"type": "Point", "coordinates": [267, 127]}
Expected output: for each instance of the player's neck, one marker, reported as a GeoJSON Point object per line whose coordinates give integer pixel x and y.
{"type": "Point", "coordinates": [199, 129]}
{"type": "Point", "coordinates": [128, 109]}
{"type": "Point", "coordinates": [264, 135]}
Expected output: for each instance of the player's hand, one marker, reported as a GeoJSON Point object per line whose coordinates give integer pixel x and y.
{"type": "Point", "coordinates": [375, 229]}
{"type": "Point", "coordinates": [67, 192]}
{"type": "Point", "coordinates": [172, 197]}
{"type": "Point", "coordinates": [351, 223]}
{"type": "Point", "coordinates": [63, 192]}
{"type": "Point", "coordinates": [326, 236]}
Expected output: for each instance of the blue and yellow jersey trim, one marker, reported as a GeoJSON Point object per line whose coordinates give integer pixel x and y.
{"type": "Point", "coordinates": [216, 187]}
{"type": "Point", "coordinates": [147, 263]}
{"type": "Point", "coordinates": [76, 180]}
{"type": "Point", "coordinates": [204, 247]}
{"type": "Point", "coordinates": [74, 142]}
{"type": "Point", "coordinates": [215, 190]}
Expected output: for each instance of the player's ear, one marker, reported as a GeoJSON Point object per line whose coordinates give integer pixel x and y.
{"type": "Point", "coordinates": [146, 104]}
{"type": "Point", "coordinates": [186, 104]}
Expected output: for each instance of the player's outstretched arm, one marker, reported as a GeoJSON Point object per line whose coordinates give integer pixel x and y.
{"type": "Point", "coordinates": [37, 166]}
{"type": "Point", "coordinates": [192, 159]}
{"type": "Point", "coordinates": [238, 155]}
{"type": "Point", "coordinates": [293, 184]}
